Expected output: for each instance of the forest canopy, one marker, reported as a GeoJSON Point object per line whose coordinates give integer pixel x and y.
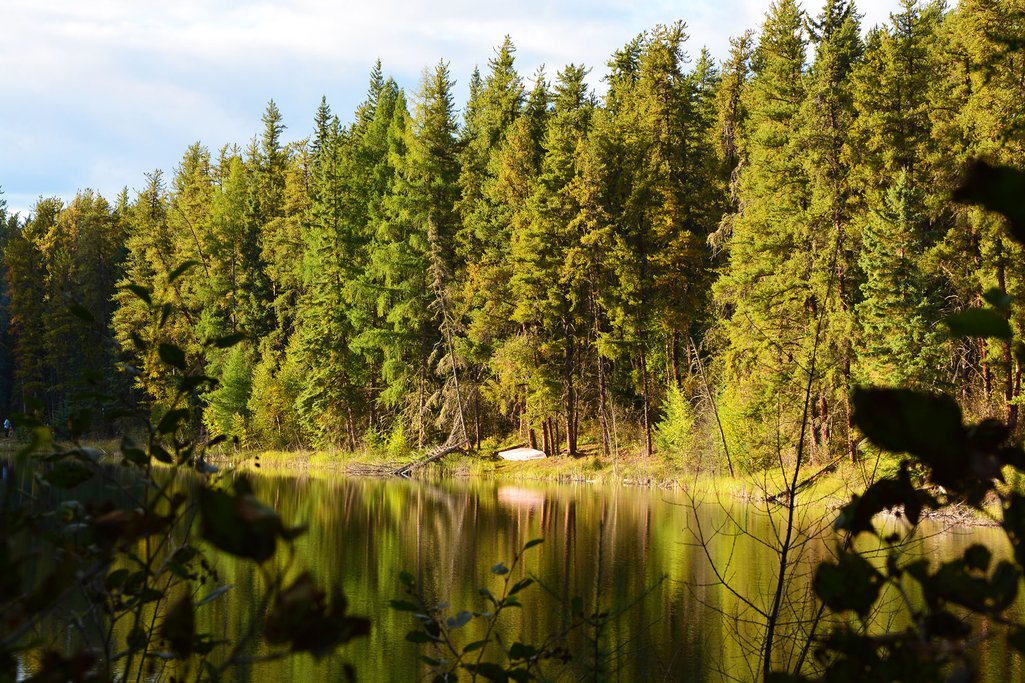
{"type": "Point", "coordinates": [552, 266]}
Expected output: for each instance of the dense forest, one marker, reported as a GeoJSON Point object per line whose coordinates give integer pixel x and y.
{"type": "Point", "coordinates": [655, 269]}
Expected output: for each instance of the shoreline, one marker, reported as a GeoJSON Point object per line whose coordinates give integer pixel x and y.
{"type": "Point", "coordinates": [832, 491]}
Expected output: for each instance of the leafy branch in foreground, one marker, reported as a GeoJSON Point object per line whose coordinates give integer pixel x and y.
{"type": "Point", "coordinates": [436, 627]}
{"type": "Point", "coordinates": [485, 655]}
{"type": "Point", "coordinates": [103, 575]}
{"type": "Point", "coordinates": [961, 464]}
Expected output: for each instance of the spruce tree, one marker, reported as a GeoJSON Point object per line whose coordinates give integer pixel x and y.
{"type": "Point", "coordinates": [767, 284]}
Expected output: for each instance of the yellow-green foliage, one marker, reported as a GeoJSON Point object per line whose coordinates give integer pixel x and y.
{"type": "Point", "coordinates": [674, 436]}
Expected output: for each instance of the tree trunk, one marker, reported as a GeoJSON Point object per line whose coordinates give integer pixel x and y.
{"type": "Point", "coordinates": [642, 361]}
{"type": "Point", "coordinates": [571, 394]}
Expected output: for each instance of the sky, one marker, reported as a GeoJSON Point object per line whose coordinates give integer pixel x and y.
{"type": "Point", "coordinates": [96, 94]}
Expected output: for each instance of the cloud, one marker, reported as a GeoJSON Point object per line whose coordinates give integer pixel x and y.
{"type": "Point", "coordinates": [93, 90]}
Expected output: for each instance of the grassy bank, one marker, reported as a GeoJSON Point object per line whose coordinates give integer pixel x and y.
{"type": "Point", "coordinates": [832, 483]}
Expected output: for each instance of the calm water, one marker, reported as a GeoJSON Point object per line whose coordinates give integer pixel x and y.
{"type": "Point", "coordinates": [620, 549]}
{"type": "Point", "coordinates": [632, 552]}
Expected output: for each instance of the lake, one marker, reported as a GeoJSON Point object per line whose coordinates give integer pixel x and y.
{"type": "Point", "coordinates": [631, 552]}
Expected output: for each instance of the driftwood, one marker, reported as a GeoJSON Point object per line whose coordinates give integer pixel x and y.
{"type": "Point", "coordinates": [435, 455]}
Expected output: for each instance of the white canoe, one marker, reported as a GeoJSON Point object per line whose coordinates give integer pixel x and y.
{"type": "Point", "coordinates": [523, 454]}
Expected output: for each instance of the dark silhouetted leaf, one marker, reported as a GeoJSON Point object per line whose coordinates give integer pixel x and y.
{"type": "Point", "coordinates": [978, 322]}
{"type": "Point", "coordinates": [850, 584]}
{"type": "Point", "coordinates": [141, 292]}
{"type": "Point", "coordinates": [182, 268]}
{"type": "Point", "coordinates": [238, 523]}
{"type": "Point", "coordinates": [927, 426]}
{"type": "Point", "coordinates": [522, 651]}
{"type": "Point", "coordinates": [489, 670]}
{"type": "Point", "coordinates": [171, 420]}
{"type": "Point", "coordinates": [1016, 639]}
{"type": "Point", "coordinates": [82, 313]}
{"type": "Point", "coordinates": [418, 637]}
{"type": "Point", "coordinates": [520, 585]}
{"type": "Point", "coordinates": [943, 624]}
{"type": "Point", "coordinates": [500, 569]}
{"type": "Point", "coordinates": [228, 341]}
{"type": "Point", "coordinates": [999, 189]}
{"type": "Point", "coordinates": [977, 557]}
{"type": "Point", "coordinates": [404, 606]}
{"type": "Point", "coordinates": [172, 355]}
{"type": "Point", "coordinates": [474, 646]}
{"type": "Point", "coordinates": [998, 299]}
{"type": "Point", "coordinates": [66, 475]}
{"type": "Point", "coordinates": [179, 626]}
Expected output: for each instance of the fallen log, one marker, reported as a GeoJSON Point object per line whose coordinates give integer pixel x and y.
{"type": "Point", "coordinates": [435, 455]}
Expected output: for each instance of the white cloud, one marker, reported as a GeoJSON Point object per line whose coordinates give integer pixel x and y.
{"type": "Point", "coordinates": [107, 87]}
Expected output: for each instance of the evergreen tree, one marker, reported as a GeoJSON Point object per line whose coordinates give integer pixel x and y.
{"type": "Point", "coordinates": [548, 304]}
{"type": "Point", "coordinates": [767, 284]}
{"type": "Point", "coordinates": [419, 224]}
{"type": "Point", "coordinates": [901, 340]}
{"type": "Point", "coordinates": [828, 115]}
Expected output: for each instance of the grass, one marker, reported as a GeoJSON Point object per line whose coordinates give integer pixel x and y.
{"type": "Point", "coordinates": [833, 486]}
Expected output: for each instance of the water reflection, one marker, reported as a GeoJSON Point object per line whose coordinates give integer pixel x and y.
{"type": "Point", "coordinates": [616, 548]}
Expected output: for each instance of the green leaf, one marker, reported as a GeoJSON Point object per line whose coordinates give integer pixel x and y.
{"type": "Point", "coordinates": [459, 620]}
{"type": "Point", "coordinates": [530, 544]}
{"type": "Point", "coordinates": [474, 646]}
{"type": "Point", "coordinates": [172, 355]}
{"type": "Point", "coordinates": [404, 606]}
{"type": "Point", "coordinates": [407, 579]}
{"type": "Point", "coordinates": [214, 594]}
{"type": "Point", "coordinates": [979, 322]}
{"type": "Point", "coordinates": [999, 189]}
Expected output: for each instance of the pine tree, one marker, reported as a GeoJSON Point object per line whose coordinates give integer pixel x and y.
{"type": "Point", "coordinates": [548, 306]}
{"type": "Point", "coordinates": [419, 224]}
{"type": "Point", "coordinates": [901, 341]}
{"type": "Point", "coordinates": [767, 284]}
{"type": "Point", "coordinates": [828, 115]}
{"type": "Point", "coordinates": [894, 172]}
